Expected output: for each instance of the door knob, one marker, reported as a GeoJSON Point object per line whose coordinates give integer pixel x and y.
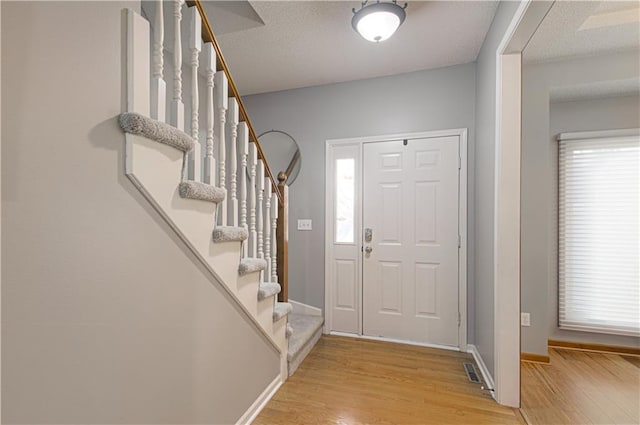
{"type": "Point", "coordinates": [368, 250]}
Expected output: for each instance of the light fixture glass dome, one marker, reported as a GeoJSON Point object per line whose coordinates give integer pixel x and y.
{"type": "Point", "coordinates": [378, 21]}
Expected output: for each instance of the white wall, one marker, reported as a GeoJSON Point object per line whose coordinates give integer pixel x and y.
{"type": "Point", "coordinates": [106, 317]}
{"type": "Point", "coordinates": [539, 210]}
{"type": "Point", "coordinates": [485, 116]}
{"type": "Point", "coordinates": [419, 101]}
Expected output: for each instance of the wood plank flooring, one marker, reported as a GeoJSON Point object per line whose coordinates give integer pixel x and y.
{"type": "Point", "coordinates": [579, 387]}
{"type": "Point", "coordinates": [355, 381]}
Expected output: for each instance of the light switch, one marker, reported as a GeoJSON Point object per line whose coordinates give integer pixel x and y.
{"type": "Point", "coordinates": [304, 224]}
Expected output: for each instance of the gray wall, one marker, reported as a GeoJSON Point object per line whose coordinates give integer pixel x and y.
{"type": "Point", "coordinates": [419, 101]}
{"type": "Point", "coordinates": [106, 318]}
{"type": "Point", "coordinates": [485, 183]}
{"type": "Point", "coordinates": [539, 193]}
{"type": "Point", "coordinates": [586, 115]}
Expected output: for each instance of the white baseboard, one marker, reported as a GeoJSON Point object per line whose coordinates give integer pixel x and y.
{"type": "Point", "coordinates": [488, 379]}
{"type": "Point", "coordinates": [262, 400]}
{"type": "Point", "coordinates": [307, 310]}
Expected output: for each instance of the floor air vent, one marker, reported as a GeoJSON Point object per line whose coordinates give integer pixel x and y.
{"type": "Point", "coordinates": [470, 370]}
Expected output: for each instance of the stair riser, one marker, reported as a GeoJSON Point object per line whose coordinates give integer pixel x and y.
{"type": "Point", "coordinates": [247, 288]}
{"type": "Point", "coordinates": [295, 362]}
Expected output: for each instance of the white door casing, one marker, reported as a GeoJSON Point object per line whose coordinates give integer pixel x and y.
{"type": "Point", "coordinates": [508, 141]}
{"type": "Point", "coordinates": [344, 262]}
{"type": "Point", "coordinates": [410, 275]}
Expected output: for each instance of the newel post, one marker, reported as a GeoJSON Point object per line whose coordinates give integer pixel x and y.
{"type": "Point", "coordinates": [283, 238]}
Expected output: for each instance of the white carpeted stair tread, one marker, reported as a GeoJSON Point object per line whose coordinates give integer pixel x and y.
{"type": "Point", "coordinates": [230, 234]}
{"type": "Point", "coordinates": [307, 330]}
{"type": "Point", "coordinates": [140, 125]}
{"type": "Point", "coordinates": [289, 330]}
{"type": "Point", "coordinates": [268, 289]}
{"type": "Point", "coordinates": [281, 310]}
{"type": "Point", "coordinates": [304, 327]}
{"type": "Point", "coordinates": [191, 189]}
{"type": "Point", "coordinates": [251, 265]}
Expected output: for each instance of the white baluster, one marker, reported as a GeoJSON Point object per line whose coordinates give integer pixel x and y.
{"type": "Point", "coordinates": [210, 70]}
{"type": "Point", "coordinates": [274, 239]}
{"type": "Point", "coordinates": [243, 143]}
{"type": "Point", "coordinates": [234, 118]}
{"type": "Point", "coordinates": [253, 237]}
{"type": "Point", "coordinates": [267, 230]}
{"type": "Point", "coordinates": [222, 104]}
{"type": "Point", "coordinates": [259, 216]}
{"type": "Point", "coordinates": [195, 46]}
{"type": "Point", "coordinates": [177, 107]}
{"type": "Point", "coordinates": [158, 85]}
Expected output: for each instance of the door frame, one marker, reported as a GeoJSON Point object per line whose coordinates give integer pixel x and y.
{"type": "Point", "coordinates": [358, 143]}
{"type": "Point", "coordinates": [507, 216]}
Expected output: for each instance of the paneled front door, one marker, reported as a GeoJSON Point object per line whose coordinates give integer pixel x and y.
{"type": "Point", "coordinates": [411, 240]}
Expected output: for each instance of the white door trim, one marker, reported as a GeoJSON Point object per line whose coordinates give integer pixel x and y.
{"type": "Point", "coordinates": [508, 122]}
{"type": "Point", "coordinates": [462, 218]}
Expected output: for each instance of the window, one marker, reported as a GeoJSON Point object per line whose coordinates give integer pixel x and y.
{"type": "Point", "coordinates": [598, 234]}
{"type": "Point", "coordinates": [345, 200]}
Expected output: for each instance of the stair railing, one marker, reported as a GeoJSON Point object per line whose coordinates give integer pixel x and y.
{"type": "Point", "coordinates": [232, 158]}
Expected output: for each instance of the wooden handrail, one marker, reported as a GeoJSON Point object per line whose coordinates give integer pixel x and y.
{"type": "Point", "coordinates": [208, 36]}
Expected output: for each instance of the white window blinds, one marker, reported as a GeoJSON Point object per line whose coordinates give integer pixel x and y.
{"type": "Point", "coordinates": [599, 287]}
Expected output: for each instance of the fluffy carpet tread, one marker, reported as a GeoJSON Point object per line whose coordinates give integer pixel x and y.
{"type": "Point", "coordinates": [304, 327]}
{"type": "Point", "coordinates": [230, 234]}
{"type": "Point", "coordinates": [140, 125]}
{"type": "Point", "coordinates": [251, 265]}
{"type": "Point", "coordinates": [268, 289]}
{"type": "Point", "coordinates": [305, 333]}
{"type": "Point", "coordinates": [200, 191]}
{"type": "Point", "coordinates": [281, 310]}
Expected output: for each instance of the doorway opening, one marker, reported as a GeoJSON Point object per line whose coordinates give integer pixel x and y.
{"type": "Point", "coordinates": [396, 238]}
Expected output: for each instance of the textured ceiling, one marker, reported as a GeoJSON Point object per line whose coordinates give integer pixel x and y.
{"type": "Point", "coordinates": [279, 45]}
{"type": "Point", "coordinates": [585, 28]}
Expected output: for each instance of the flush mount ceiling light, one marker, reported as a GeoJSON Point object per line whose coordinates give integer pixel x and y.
{"type": "Point", "coordinates": [378, 21]}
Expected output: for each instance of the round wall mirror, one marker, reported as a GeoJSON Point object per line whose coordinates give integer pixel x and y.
{"type": "Point", "coordinates": [282, 153]}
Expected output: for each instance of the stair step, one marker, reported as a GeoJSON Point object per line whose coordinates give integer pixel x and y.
{"type": "Point", "coordinates": [268, 289]}
{"type": "Point", "coordinates": [251, 265]}
{"type": "Point", "coordinates": [306, 331]}
{"type": "Point", "coordinates": [140, 125]}
{"type": "Point", "coordinates": [230, 234]}
{"type": "Point", "coordinates": [289, 330]}
{"type": "Point", "coordinates": [281, 310]}
{"type": "Point", "coordinates": [201, 191]}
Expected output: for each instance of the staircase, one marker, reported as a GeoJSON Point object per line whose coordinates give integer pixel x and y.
{"type": "Point", "coordinates": [221, 201]}
{"type": "Point", "coordinates": [306, 330]}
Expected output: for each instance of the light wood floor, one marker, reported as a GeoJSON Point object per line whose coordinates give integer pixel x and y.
{"type": "Point", "coordinates": [355, 381]}
{"type": "Point", "coordinates": [579, 387]}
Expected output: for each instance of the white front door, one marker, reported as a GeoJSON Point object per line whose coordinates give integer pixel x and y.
{"type": "Point", "coordinates": [410, 264]}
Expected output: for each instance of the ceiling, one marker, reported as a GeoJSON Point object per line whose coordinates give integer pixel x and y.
{"type": "Point", "coordinates": [279, 45]}
{"type": "Point", "coordinates": [585, 28]}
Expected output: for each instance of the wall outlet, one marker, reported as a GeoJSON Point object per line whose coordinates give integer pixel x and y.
{"type": "Point", "coordinates": [304, 224]}
{"type": "Point", "coordinates": [525, 319]}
